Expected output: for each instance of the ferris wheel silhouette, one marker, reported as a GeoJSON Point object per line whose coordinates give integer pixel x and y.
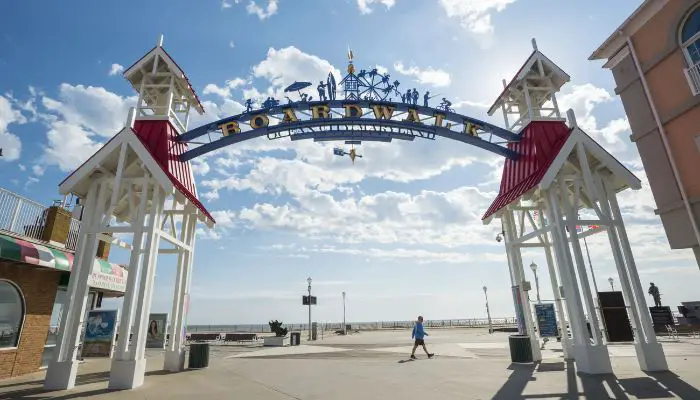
{"type": "Point", "coordinates": [373, 85]}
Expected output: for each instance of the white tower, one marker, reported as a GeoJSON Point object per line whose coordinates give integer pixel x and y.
{"type": "Point", "coordinates": [531, 94]}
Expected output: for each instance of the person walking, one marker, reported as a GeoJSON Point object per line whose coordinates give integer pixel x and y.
{"type": "Point", "coordinates": [419, 334]}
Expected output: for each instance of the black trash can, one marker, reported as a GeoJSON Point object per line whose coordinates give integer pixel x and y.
{"type": "Point", "coordinates": [295, 339]}
{"type": "Point", "coordinates": [520, 348]}
{"type": "Point", "coordinates": [199, 355]}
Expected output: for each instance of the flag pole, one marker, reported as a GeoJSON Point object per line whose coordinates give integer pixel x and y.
{"type": "Point", "coordinates": [590, 265]}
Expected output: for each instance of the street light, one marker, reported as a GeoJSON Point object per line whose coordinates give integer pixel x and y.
{"type": "Point", "coordinates": [612, 287]}
{"type": "Point", "coordinates": [488, 312]}
{"type": "Point", "coordinates": [345, 330]}
{"type": "Point", "coordinates": [309, 281]}
{"type": "Point", "coordinates": [533, 266]}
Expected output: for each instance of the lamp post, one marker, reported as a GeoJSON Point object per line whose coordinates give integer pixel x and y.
{"type": "Point", "coordinates": [488, 312]}
{"type": "Point", "coordinates": [309, 282]}
{"type": "Point", "coordinates": [612, 287]}
{"type": "Point", "coordinates": [345, 330]}
{"type": "Point", "coordinates": [533, 266]}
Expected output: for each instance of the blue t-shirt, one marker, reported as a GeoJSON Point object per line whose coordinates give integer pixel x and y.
{"type": "Point", "coordinates": [418, 331]}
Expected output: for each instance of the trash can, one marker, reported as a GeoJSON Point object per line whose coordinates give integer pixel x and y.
{"type": "Point", "coordinates": [348, 328]}
{"type": "Point", "coordinates": [199, 355]}
{"type": "Point", "coordinates": [295, 339]}
{"type": "Point", "coordinates": [314, 331]}
{"type": "Point", "coordinates": [520, 348]}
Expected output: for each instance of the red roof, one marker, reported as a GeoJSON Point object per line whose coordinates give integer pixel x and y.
{"type": "Point", "coordinates": [160, 138]}
{"type": "Point", "coordinates": [540, 144]}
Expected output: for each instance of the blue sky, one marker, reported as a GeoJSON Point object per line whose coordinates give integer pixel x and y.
{"type": "Point", "coordinates": [399, 230]}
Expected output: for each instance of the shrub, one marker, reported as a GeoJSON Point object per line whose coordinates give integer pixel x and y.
{"type": "Point", "coordinates": [277, 329]}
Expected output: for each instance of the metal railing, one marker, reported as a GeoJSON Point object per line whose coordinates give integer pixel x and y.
{"type": "Point", "coordinates": [26, 217]}
{"type": "Point", "coordinates": [21, 215]}
{"type": "Point", "coordinates": [692, 74]}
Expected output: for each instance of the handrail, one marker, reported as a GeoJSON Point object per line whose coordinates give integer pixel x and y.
{"type": "Point", "coordinates": [26, 217]}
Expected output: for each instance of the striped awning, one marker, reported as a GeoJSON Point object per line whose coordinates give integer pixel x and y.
{"type": "Point", "coordinates": [105, 275]}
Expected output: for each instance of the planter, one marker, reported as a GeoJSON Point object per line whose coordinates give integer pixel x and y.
{"type": "Point", "coordinates": [273, 341]}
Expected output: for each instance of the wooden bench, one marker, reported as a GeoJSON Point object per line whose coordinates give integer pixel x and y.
{"type": "Point", "coordinates": [240, 337]}
{"type": "Point", "coordinates": [203, 337]}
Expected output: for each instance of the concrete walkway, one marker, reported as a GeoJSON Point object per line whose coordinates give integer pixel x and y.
{"type": "Point", "coordinates": [470, 364]}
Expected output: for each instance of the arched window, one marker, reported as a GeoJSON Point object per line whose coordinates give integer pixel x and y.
{"type": "Point", "coordinates": [11, 314]}
{"type": "Point", "coordinates": [690, 37]}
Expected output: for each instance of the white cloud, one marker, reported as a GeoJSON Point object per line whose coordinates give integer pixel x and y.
{"type": "Point", "coordinates": [10, 143]}
{"type": "Point", "coordinates": [231, 44]}
{"type": "Point", "coordinates": [263, 13]}
{"type": "Point", "coordinates": [364, 5]}
{"type": "Point", "coordinates": [79, 122]}
{"type": "Point", "coordinates": [21, 167]}
{"type": "Point", "coordinates": [219, 91]}
{"type": "Point", "coordinates": [584, 99]}
{"type": "Point", "coordinates": [449, 219]}
{"type": "Point", "coordinates": [38, 170]}
{"type": "Point", "coordinates": [116, 69]}
{"type": "Point", "coordinates": [428, 76]}
{"type": "Point", "coordinates": [475, 15]}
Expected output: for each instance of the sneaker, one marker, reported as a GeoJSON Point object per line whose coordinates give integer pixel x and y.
{"type": "Point", "coordinates": [430, 355]}
{"type": "Point", "coordinates": [413, 357]}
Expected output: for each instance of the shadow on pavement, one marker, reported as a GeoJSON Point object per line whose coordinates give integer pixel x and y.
{"type": "Point", "coordinates": [35, 389]}
{"type": "Point", "coordinates": [653, 386]}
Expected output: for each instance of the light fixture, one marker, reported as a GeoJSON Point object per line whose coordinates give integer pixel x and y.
{"type": "Point", "coordinates": [308, 280]}
{"type": "Point", "coordinates": [499, 238]}
{"type": "Point", "coordinates": [533, 267]}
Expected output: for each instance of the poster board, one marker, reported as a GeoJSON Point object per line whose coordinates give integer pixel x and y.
{"type": "Point", "coordinates": [155, 331]}
{"type": "Point", "coordinates": [546, 320]}
{"type": "Point", "coordinates": [100, 332]}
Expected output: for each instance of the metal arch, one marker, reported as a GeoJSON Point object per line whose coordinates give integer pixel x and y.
{"type": "Point", "coordinates": [449, 116]}
{"type": "Point", "coordinates": [350, 129]}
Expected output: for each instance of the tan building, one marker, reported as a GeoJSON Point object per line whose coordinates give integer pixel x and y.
{"type": "Point", "coordinates": [655, 60]}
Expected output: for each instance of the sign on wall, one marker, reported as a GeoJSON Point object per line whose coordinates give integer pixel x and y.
{"type": "Point", "coordinates": [546, 320]}
{"type": "Point", "coordinates": [155, 336]}
{"type": "Point", "coordinates": [100, 331]}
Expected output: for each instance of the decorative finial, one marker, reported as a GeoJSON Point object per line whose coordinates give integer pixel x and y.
{"type": "Point", "coordinates": [351, 68]}
{"type": "Point", "coordinates": [572, 118]}
{"type": "Point", "coordinates": [534, 44]}
{"type": "Point", "coordinates": [160, 40]}
{"type": "Point", "coordinates": [505, 84]}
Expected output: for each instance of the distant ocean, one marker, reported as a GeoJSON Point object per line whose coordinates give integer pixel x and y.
{"type": "Point", "coordinates": [262, 328]}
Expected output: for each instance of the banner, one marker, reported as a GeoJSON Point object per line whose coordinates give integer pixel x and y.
{"type": "Point", "coordinates": [155, 336]}
{"type": "Point", "coordinates": [546, 319]}
{"type": "Point", "coordinates": [100, 331]}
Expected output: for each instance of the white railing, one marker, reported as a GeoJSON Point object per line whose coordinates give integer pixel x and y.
{"type": "Point", "coordinates": [21, 215]}
{"type": "Point", "coordinates": [28, 218]}
{"type": "Point", "coordinates": [72, 240]}
{"type": "Point", "coordinates": [692, 74]}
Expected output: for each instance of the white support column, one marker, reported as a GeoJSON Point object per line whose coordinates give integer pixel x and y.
{"type": "Point", "coordinates": [62, 371]}
{"type": "Point", "coordinates": [135, 261]}
{"type": "Point", "coordinates": [174, 354]}
{"type": "Point", "coordinates": [650, 354]}
{"type": "Point", "coordinates": [565, 341]}
{"type": "Point", "coordinates": [129, 373]}
{"type": "Point", "coordinates": [571, 219]}
{"type": "Point", "coordinates": [589, 359]}
{"type": "Point", "coordinates": [516, 264]}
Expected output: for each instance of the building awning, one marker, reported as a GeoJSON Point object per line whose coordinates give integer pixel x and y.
{"type": "Point", "coordinates": [104, 275]}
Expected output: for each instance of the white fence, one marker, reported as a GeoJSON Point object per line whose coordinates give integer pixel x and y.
{"type": "Point", "coordinates": [26, 217]}
{"type": "Point", "coordinates": [692, 74]}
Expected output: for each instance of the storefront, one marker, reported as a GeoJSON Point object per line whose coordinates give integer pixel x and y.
{"type": "Point", "coordinates": [33, 281]}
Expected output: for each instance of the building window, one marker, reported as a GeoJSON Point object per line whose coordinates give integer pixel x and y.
{"type": "Point", "coordinates": [11, 314]}
{"type": "Point", "coordinates": [690, 37]}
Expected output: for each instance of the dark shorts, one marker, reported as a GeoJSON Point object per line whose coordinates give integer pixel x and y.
{"type": "Point", "coordinates": [420, 342]}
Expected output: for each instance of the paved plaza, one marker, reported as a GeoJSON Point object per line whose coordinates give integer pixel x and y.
{"type": "Point", "coordinates": [470, 364]}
